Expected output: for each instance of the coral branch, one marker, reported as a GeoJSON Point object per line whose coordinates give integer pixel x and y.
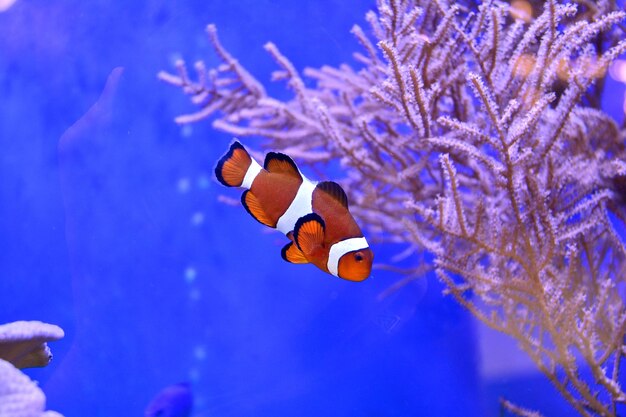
{"type": "Point", "coordinates": [473, 133]}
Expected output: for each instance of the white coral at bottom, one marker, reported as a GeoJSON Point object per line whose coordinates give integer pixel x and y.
{"type": "Point", "coordinates": [19, 395]}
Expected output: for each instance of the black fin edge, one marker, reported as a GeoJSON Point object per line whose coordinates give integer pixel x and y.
{"type": "Point", "coordinates": [243, 203]}
{"type": "Point", "coordinates": [334, 190]}
{"type": "Point", "coordinates": [283, 251]}
{"type": "Point", "coordinates": [287, 247]}
{"type": "Point", "coordinates": [281, 157]}
{"type": "Point", "coordinates": [304, 219]}
{"type": "Point", "coordinates": [220, 164]}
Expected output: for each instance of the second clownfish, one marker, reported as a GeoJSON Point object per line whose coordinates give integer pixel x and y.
{"type": "Point", "coordinates": [314, 216]}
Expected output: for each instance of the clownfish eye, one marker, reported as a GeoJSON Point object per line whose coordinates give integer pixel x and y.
{"type": "Point", "coordinates": [358, 256]}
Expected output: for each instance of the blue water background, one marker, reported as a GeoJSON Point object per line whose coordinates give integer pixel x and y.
{"type": "Point", "coordinates": [122, 242]}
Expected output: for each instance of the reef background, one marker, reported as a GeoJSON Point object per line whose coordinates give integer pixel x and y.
{"type": "Point", "coordinates": [156, 282]}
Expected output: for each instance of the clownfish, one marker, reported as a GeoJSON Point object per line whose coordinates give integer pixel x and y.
{"type": "Point", "coordinates": [313, 215]}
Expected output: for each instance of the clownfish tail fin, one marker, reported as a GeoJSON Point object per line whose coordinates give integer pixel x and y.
{"type": "Point", "coordinates": [233, 169]}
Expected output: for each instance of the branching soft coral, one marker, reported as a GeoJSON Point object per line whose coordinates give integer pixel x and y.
{"type": "Point", "coordinates": [472, 132]}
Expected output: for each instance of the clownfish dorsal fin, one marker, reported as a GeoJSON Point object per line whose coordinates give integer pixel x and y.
{"type": "Point", "coordinates": [309, 233]}
{"type": "Point", "coordinates": [335, 191]}
{"type": "Point", "coordinates": [279, 163]}
{"type": "Point", "coordinates": [291, 253]}
{"type": "Point", "coordinates": [253, 206]}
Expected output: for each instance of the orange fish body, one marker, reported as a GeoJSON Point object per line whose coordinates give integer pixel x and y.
{"type": "Point", "coordinates": [314, 216]}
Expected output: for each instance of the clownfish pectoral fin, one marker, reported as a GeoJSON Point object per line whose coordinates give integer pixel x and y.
{"type": "Point", "coordinates": [291, 253]}
{"type": "Point", "coordinates": [233, 166]}
{"type": "Point", "coordinates": [335, 191]}
{"type": "Point", "coordinates": [253, 206]}
{"type": "Point", "coordinates": [279, 163]}
{"type": "Point", "coordinates": [309, 233]}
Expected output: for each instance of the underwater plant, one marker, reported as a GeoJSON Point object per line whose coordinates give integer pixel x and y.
{"type": "Point", "coordinates": [473, 132]}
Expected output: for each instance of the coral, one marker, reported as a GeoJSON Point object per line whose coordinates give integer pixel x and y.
{"type": "Point", "coordinates": [23, 345]}
{"type": "Point", "coordinates": [473, 132]}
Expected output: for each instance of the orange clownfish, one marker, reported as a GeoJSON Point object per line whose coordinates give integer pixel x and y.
{"type": "Point", "coordinates": [314, 216]}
